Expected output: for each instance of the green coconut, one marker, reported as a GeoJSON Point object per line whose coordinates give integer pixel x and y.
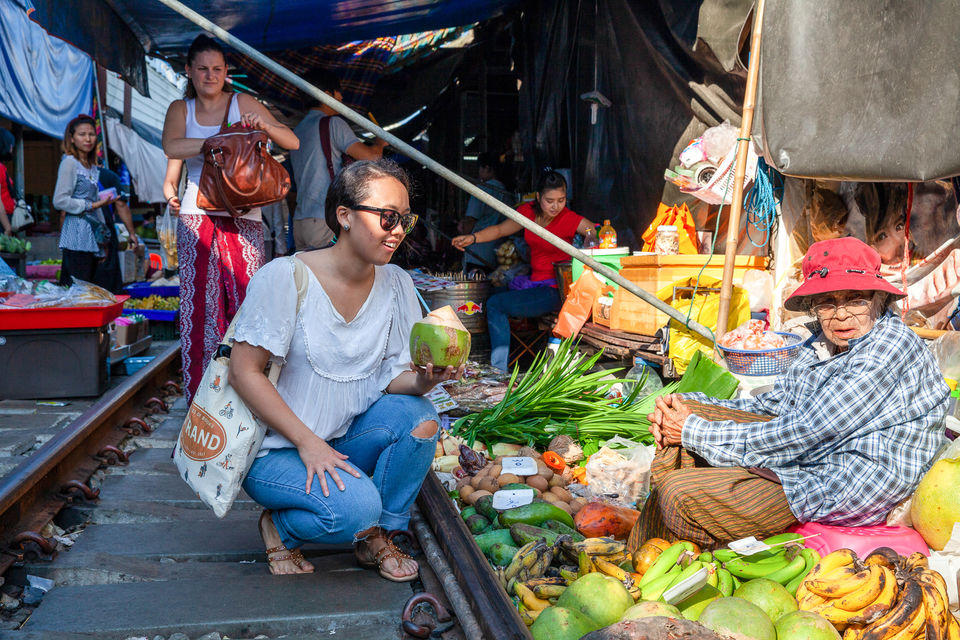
{"type": "Point", "coordinates": [440, 339]}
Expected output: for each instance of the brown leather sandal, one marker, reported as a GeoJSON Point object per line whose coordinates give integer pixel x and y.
{"type": "Point", "coordinates": [295, 555]}
{"type": "Point", "coordinates": [388, 550]}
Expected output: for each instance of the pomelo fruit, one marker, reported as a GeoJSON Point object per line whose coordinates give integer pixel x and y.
{"type": "Point", "coordinates": [440, 339]}
{"type": "Point", "coordinates": [649, 609]}
{"type": "Point", "coordinates": [737, 618]}
{"type": "Point", "coordinates": [560, 623]}
{"type": "Point", "coordinates": [598, 596]}
{"type": "Point", "coordinates": [936, 503]}
{"type": "Point", "coordinates": [770, 596]}
{"type": "Point", "coordinates": [805, 625]}
{"type": "Point", "coordinates": [692, 606]}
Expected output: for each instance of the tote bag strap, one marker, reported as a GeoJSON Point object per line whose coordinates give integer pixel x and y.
{"type": "Point", "coordinates": [302, 281]}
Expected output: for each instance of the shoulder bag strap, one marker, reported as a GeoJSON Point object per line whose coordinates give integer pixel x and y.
{"type": "Point", "coordinates": [324, 126]}
{"type": "Point", "coordinates": [226, 114]}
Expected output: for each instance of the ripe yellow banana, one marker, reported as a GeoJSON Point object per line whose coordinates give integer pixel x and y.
{"type": "Point", "coordinates": [935, 623]}
{"type": "Point", "coordinates": [585, 564]}
{"type": "Point", "coordinates": [837, 559]}
{"type": "Point", "coordinates": [528, 617]}
{"type": "Point", "coordinates": [611, 569]}
{"type": "Point", "coordinates": [953, 628]}
{"type": "Point", "coordinates": [883, 556]}
{"type": "Point", "coordinates": [838, 582]}
{"type": "Point", "coordinates": [547, 591]}
{"type": "Point", "coordinates": [886, 600]}
{"type": "Point", "coordinates": [529, 599]}
{"type": "Point", "coordinates": [598, 546]}
{"type": "Point", "coordinates": [555, 581]}
{"type": "Point", "coordinates": [806, 598]}
{"type": "Point", "coordinates": [914, 561]}
{"type": "Point", "coordinates": [525, 558]}
{"type": "Point", "coordinates": [853, 632]}
{"type": "Point", "coordinates": [931, 577]}
{"type": "Point", "coordinates": [902, 616]}
{"type": "Point", "coordinates": [866, 593]}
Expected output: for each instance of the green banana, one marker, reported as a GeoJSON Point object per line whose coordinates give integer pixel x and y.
{"type": "Point", "coordinates": [724, 582]}
{"type": "Point", "coordinates": [789, 572]}
{"type": "Point", "coordinates": [751, 570]}
{"type": "Point", "coordinates": [736, 582]}
{"type": "Point", "coordinates": [545, 591]}
{"type": "Point", "coordinates": [694, 567]}
{"type": "Point", "coordinates": [811, 558]}
{"type": "Point", "coordinates": [655, 588]}
{"type": "Point", "coordinates": [706, 556]}
{"type": "Point", "coordinates": [725, 555]}
{"type": "Point", "coordinates": [713, 579]}
{"type": "Point", "coordinates": [663, 564]}
{"type": "Point", "coordinates": [569, 576]}
{"type": "Point", "coordinates": [780, 538]}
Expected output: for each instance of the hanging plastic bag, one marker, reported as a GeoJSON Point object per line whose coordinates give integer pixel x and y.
{"type": "Point", "coordinates": [622, 474]}
{"type": "Point", "coordinates": [579, 304]}
{"type": "Point", "coordinates": [167, 234]}
{"type": "Point", "coordinates": [705, 310]}
{"type": "Point", "coordinates": [682, 219]}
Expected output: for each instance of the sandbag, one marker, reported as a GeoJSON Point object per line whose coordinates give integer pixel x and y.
{"type": "Point", "coordinates": [860, 89]}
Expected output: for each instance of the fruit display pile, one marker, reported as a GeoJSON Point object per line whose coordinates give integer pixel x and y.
{"type": "Point", "coordinates": [13, 244]}
{"type": "Point", "coordinates": [883, 596]}
{"type": "Point", "coordinates": [157, 303]}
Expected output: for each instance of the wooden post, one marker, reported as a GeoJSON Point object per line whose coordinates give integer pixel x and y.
{"type": "Point", "coordinates": [743, 142]}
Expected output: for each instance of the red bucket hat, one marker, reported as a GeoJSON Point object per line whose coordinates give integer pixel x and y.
{"type": "Point", "coordinates": [837, 265]}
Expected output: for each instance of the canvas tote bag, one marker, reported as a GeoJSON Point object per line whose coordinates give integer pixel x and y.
{"type": "Point", "coordinates": [220, 436]}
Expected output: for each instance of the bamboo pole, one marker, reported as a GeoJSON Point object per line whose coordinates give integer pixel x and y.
{"type": "Point", "coordinates": [740, 170]}
{"type": "Point", "coordinates": [433, 165]}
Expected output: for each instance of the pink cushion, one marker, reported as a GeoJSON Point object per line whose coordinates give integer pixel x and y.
{"type": "Point", "coordinates": [862, 540]}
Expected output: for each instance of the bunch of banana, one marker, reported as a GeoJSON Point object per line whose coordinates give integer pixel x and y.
{"type": "Point", "coordinates": [605, 547]}
{"type": "Point", "coordinates": [883, 597]}
{"type": "Point", "coordinates": [786, 562]}
{"type": "Point", "coordinates": [530, 561]}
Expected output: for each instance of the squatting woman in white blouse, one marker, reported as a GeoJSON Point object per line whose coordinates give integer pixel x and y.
{"type": "Point", "coordinates": [348, 403]}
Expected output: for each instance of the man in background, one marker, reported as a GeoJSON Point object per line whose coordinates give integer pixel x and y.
{"type": "Point", "coordinates": [324, 139]}
{"type": "Point", "coordinates": [480, 216]}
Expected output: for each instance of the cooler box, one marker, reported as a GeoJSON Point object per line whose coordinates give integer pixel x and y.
{"type": "Point", "coordinates": [607, 257]}
{"type": "Point", "coordinates": [652, 273]}
{"type": "Point", "coordinates": [53, 363]}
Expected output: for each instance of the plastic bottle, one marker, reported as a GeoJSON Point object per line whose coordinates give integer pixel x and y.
{"type": "Point", "coordinates": [640, 370]}
{"type": "Point", "coordinates": [608, 236]}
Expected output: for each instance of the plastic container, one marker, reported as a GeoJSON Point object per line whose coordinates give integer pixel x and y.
{"type": "Point", "coordinates": [608, 257]}
{"type": "Point", "coordinates": [144, 290]}
{"type": "Point", "coordinates": [608, 236]}
{"type": "Point", "coordinates": [54, 363]}
{"type": "Point", "coordinates": [640, 369]}
{"type": "Point", "coordinates": [59, 317]}
{"type": "Point", "coordinates": [161, 315]}
{"type": "Point", "coordinates": [667, 242]}
{"type": "Point", "coordinates": [862, 540]}
{"type": "Point", "coordinates": [132, 365]}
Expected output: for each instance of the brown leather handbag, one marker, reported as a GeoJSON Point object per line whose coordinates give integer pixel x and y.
{"type": "Point", "coordinates": [239, 173]}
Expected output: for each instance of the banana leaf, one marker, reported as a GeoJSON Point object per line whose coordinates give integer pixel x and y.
{"type": "Point", "coordinates": [707, 377]}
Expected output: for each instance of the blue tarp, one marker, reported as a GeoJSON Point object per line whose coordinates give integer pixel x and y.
{"type": "Point", "coordinates": [113, 30]}
{"type": "Point", "coordinates": [44, 82]}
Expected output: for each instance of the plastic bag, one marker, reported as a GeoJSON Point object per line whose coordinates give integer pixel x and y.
{"type": "Point", "coordinates": [682, 219]}
{"type": "Point", "coordinates": [167, 234]}
{"type": "Point", "coordinates": [759, 287]}
{"type": "Point", "coordinates": [946, 351]}
{"type": "Point", "coordinates": [623, 474]}
{"type": "Point", "coordinates": [579, 304]}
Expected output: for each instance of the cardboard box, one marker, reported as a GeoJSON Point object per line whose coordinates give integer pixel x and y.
{"type": "Point", "coordinates": [133, 265]}
{"type": "Point", "coordinates": [130, 333]}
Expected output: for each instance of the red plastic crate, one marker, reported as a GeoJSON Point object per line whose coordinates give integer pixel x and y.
{"type": "Point", "coordinates": [59, 317]}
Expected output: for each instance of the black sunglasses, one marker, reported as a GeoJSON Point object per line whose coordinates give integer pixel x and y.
{"type": "Point", "coordinates": [389, 218]}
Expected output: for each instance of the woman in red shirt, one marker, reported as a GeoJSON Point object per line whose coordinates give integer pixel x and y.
{"type": "Point", "coordinates": [7, 203]}
{"type": "Point", "coordinates": [549, 210]}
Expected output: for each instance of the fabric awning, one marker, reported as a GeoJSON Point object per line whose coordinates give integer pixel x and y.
{"type": "Point", "coordinates": [117, 33]}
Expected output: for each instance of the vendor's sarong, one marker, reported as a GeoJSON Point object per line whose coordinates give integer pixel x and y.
{"type": "Point", "coordinates": [707, 505]}
{"type": "Point", "coordinates": [218, 255]}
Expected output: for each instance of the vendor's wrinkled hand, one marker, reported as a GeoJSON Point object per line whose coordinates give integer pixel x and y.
{"type": "Point", "coordinates": [666, 422]}
{"type": "Point", "coordinates": [462, 242]}
{"type": "Point", "coordinates": [320, 459]}
{"type": "Point", "coordinates": [428, 377]}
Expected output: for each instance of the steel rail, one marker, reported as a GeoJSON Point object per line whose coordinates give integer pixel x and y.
{"type": "Point", "coordinates": [34, 491]}
{"type": "Point", "coordinates": [433, 165]}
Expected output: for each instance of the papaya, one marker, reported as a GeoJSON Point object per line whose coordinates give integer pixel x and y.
{"type": "Point", "coordinates": [599, 520]}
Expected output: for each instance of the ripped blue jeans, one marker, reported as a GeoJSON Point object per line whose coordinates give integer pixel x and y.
{"type": "Point", "coordinates": [392, 465]}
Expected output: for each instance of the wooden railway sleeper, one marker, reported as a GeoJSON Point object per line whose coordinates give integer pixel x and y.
{"type": "Point", "coordinates": [110, 455]}
{"type": "Point", "coordinates": [420, 602]}
{"type": "Point", "coordinates": [156, 405]}
{"type": "Point", "coordinates": [69, 491]}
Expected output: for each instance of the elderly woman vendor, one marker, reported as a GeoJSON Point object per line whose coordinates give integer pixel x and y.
{"type": "Point", "coordinates": [846, 433]}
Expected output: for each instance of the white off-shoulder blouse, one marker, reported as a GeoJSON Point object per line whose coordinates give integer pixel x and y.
{"type": "Point", "coordinates": [333, 370]}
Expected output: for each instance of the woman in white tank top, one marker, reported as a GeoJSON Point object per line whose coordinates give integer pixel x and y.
{"type": "Point", "coordinates": [217, 253]}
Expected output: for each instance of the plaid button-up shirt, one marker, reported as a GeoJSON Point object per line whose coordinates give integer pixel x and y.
{"type": "Point", "coordinates": [853, 433]}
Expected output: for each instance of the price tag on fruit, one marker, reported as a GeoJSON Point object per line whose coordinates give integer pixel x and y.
{"type": "Point", "coordinates": [508, 499]}
{"type": "Point", "coordinates": [687, 587]}
{"type": "Point", "coordinates": [748, 546]}
{"type": "Point", "coordinates": [524, 466]}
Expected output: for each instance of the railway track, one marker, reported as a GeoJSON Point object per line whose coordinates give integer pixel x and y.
{"type": "Point", "coordinates": [104, 540]}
